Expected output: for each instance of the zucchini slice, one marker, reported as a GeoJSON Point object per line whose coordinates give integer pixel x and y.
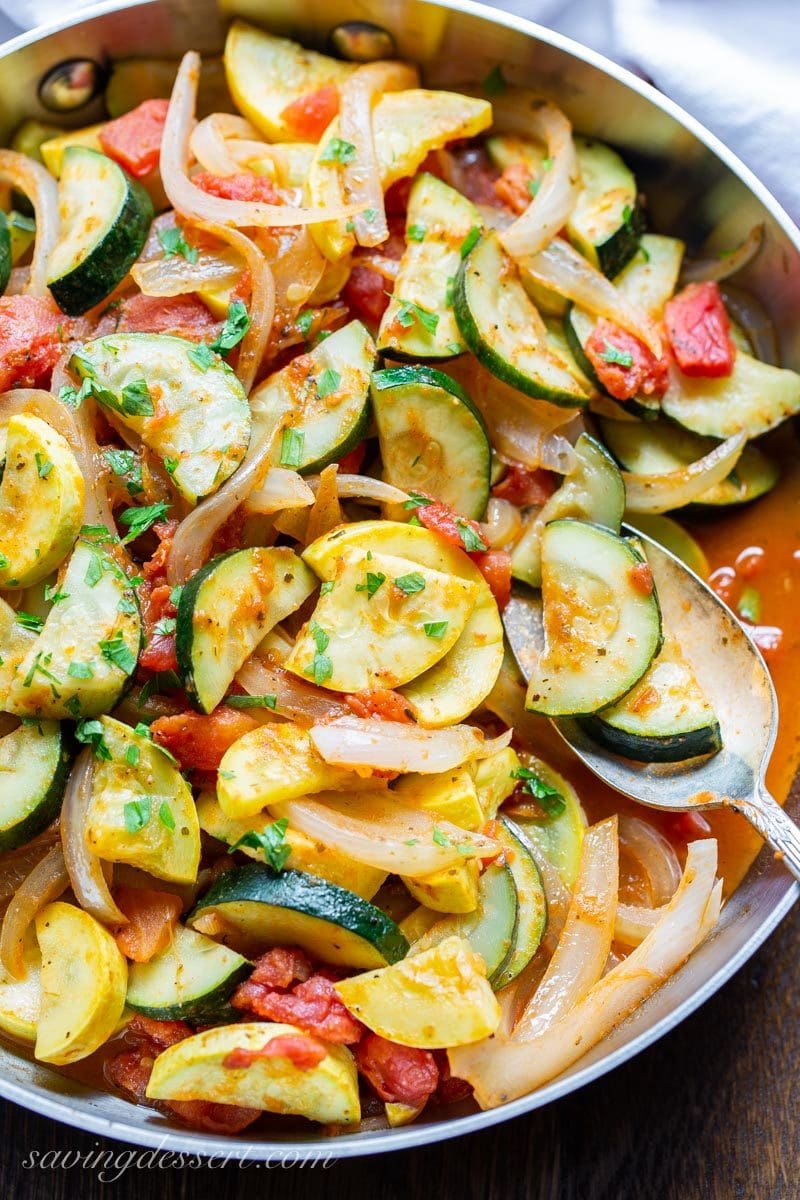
{"type": "Point", "coordinates": [105, 219]}
{"type": "Point", "coordinates": [84, 979]}
{"type": "Point", "coordinates": [320, 401]}
{"type": "Point", "coordinates": [196, 417]}
{"type": "Point", "coordinates": [753, 399]}
{"type": "Point", "coordinates": [82, 660]}
{"type": "Point", "coordinates": [5, 252]}
{"type": "Point", "coordinates": [606, 222]}
{"type": "Point", "coordinates": [454, 688]}
{"type": "Point", "coordinates": [194, 1069]}
{"type": "Point", "coordinates": [41, 502]}
{"type": "Point", "coordinates": [666, 717]}
{"type": "Point", "coordinates": [438, 220]}
{"type": "Point", "coordinates": [141, 809]}
{"type": "Point", "coordinates": [593, 492]}
{"type": "Point", "coordinates": [21, 232]}
{"type": "Point", "coordinates": [490, 929]}
{"type": "Point", "coordinates": [433, 438]}
{"type": "Point", "coordinates": [602, 622]}
{"type": "Point", "coordinates": [15, 642]}
{"type": "Point", "coordinates": [659, 448]}
{"type": "Point", "coordinates": [34, 765]}
{"type": "Point", "coordinates": [531, 903]}
{"type": "Point", "coordinates": [254, 907]}
{"type": "Point", "coordinates": [273, 763]}
{"type": "Point", "coordinates": [305, 853]}
{"type": "Point", "coordinates": [558, 836]}
{"type": "Point", "coordinates": [498, 322]}
{"type": "Point", "coordinates": [21, 999]}
{"type": "Point", "coordinates": [189, 981]}
{"type": "Point", "coordinates": [225, 610]}
{"type": "Point", "coordinates": [371, 631]}
{"type": "Point", "coordinates": [672, 537]}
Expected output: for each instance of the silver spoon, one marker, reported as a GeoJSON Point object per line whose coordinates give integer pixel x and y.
{"type": "Point", "coordinates": [733, 675]}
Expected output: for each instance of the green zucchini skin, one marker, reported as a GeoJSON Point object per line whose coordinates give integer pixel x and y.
{"type": "Point", "coordinates": [47, 804]}
{"type": "Point", "coordinates": [360, 927]}
{"type": "Point", "coordinates": [461, 477]}
{"type": "Point", "coordinates": [531, 904]}
{"type": "Point", "coordinates": [5, 252]}
{"type": "Point", "coordinates": [621, 221]}
{"type": "Point", "coordinates": [691, 743]}
{"type": "Point", "coordinates": [184, 623]}
{"type": "Point", "coordinates": [150, 995]}
{"type": "Point", "coordinates": [94, 276]}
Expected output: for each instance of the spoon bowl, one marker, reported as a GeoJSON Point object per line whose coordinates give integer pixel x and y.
{"type": "Point", "coordinates": [732, 673]}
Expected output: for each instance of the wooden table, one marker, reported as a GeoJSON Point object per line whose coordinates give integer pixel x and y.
{"type": "Point", "coordinates": [712, 1112]}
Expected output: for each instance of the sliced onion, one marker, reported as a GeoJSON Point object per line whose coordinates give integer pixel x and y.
{"type": "Point", "coordinates": [296, 699]}
{"type": "Point", "coordinates": [757, 324]}
{"type": "Point", "coordinates": [582, 950]}
{"type": "Point", "coordinates": [41, 189]}
{"type": "Point", "coordinates": [85, 869]}
{"type": "Point", "coordinates": [654, 854]}
{"type": "Point", "coordinates": [561, 268]}
{"type": "Point", "coordinates": [362, 178]}
{"type": "Point", "coordinates": [297, 268]}
{"type": "Point", "coordinates": [326, 511]}
{"type": "Point", "coordinates": [395, 746]}
{"type": "Point", "coordinates": [502, 524]}
{"type": "Point", "coordinates": [501, 1070]}
{"type": "Point", "coordinates": [46, 882]}
{"type": "Point", "coordinates": [363, 487]}
{"type": "Point", "coordinates": [634, 922]}
{"type": "Point", "coordinates": [372, 828]}
{"type": "Point", "coordinates": [190, 200]}
{"type": "Point", "coordinates": [662, 493]}
{"type": "Point", "coordinates": [560, 185]}
{"type": "Point", "coordinates": [280, 489]}
{"type": "Point", "coordinates": [175, 276]}
{"type": "Point", "coordinates": [208, 144]}
{"type": "Point", "coordinates": [700, 270]}
{"type": "Point", "coordinates": [16, 865]}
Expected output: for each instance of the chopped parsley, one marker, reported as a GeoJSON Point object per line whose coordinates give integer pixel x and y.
{"type": "Point", "coordinates": [375, 579]}
{"type": "Point", "coordinates": [627, 212]}
{"type": "Point", "coordinates": [613, 354]}
{"type": "Point", "coordinates": [115, 651]}
{"type": "Point", "coordinates": [292, 447]}
{"type": "Point", "coordinates": [416, 233]}
{"type": "Point", "coordinates": [304, 322]}
{"type": "Point", "coordinates": [175, 595]}
{"type": "Point", "coordinates": [43, 465]}
{"type": "Point", "coordinates": [137, 813]}
{"type": "Point", "coordinates": [328, 382]}
{"type": "Point", "coordinates": [52, 595]}
{"type": "Point", "coordinates": [132, 755]}
{"type": "Point", "coordinates": [138, 520]}
{"type": "Point", "coordinates": [136, 399]}
{"type": "Point", "coordinates": [441, 839]}
{"type": "Point", "coordinates": [173, 242]}
{"type": "Point", "coordinates": [95, 570]}
{"type": "Point", "coordinates": [321, 668]}
{"type": "Point", "coordinates": [533, 186]}
{"type": "Point", "coordinates": [327, 587]}
{"type": "Point", "coordinates": [237, 323]}
{"type": "Point", "coordinates": [494, 84]}
{"type": "Point", "coordinates": [436, 629]}
{"type": "Point", "coordinates": [470, 241]}
{"type": "Point", "coordinates": [338, 151]}
{"type": "Point", "coordinates": [409, 312]}
{"type": "Point", "coordinates": [415, 500]}
{"type": "Point", "coordinates": [98, 533]}
{"type": "Point", "coordinates": [126, 462]}
{"type": "Point", "coordinates": [201, 356]}
{"type": "Point", "coordinates": [30, 622]}
{"type": "Point", "coordinates": [470, 538]}
{"type": "Point", "coordinates": [410, 583]}
{"type": "Point", "coordinates": [548, 798]}
{"type": "Point", "coordinates": [91, 734]}
{"type": "Point", "coordinates": [252, 702]}
{"type": "Point", "coordinates": [80, 670]}
{"type": "Point", "coordinates": [271, 841]}
{"type": "Point", "coordinates": [165, 816]}
{"type": "Point", "coordinates": [164, 627]}
{"type": "Point", "coordinates": [171, 465]}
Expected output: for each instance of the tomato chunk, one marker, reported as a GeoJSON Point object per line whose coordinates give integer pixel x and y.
{"type": "Point", "coordinates": [310, 114]}
{"type": "Point", "coordinates": [255, 189]}
{"type": "Point", "coordinates": [382, 702]}
{"type": "Point", "coordinates": [698, 330]}
{"type": "Point", "coordinates": [303, 1051]}
{"type": "Point", "coordinates": [495, 567]}
{"type": "Point", "coordinates": [312, 1005]}
{"type": "Point", "coordinates": [624, 365]}
{"type": "Point", "coordinates": [458, 531]}
{"type": "Point", "coordinates": [280, 967]}
{"type": "Point", "coordinates": [184, 316]}
{"type": "Point", "coordinates": [31, 328]}
{"type": "Point", "coordinates": [151, 919]}
{"type": "Point", "coordinates": [399, 1074]}
{"type": "Point", "coordinates": [523, 486]}
{"type": "Point", "coordinates": [350, 463]}
{"type": "Point", "coordinates": [134, 139]}
{"type": "Point", "coordinates": [365, 294]}
{"type": "Point", "coordinates": [513, 187]}
{"type": "Point", "coordinates": [198, 741]}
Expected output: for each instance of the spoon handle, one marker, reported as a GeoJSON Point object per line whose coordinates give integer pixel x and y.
{"type": "Point", "coordinates": [775, 826]}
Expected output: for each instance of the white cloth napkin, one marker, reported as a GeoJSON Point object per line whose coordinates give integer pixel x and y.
{"type": "Point", "coordinates": [731, 63]}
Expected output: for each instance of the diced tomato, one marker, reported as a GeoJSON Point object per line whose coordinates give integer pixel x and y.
{"type": "Point", "coordinates": [159, 653]}
{"type": "Point", "coordinates": [641, 577]}
{"type": "Point", "coordinates": [312, 1005]}
{"type": "Point", "coordinates": [134, 139]}
{"type": "Point", "coordinates": [768, 638]}
{"type": "Point", "coordinates": [495, 567]}
{"type": "Point", "coordinates": [623, 364]}
{"type": "Point", "coordinates": [458, 531]}
{"type": "Point", "coordinates": [198, 741]}
{"type": "Point", "coordinates": [155, 569]}
{"type": "Point", "coordinates": [255, 189]}
{"type": "Point", "coordinates": [183, 316]}
{"type": "Point", "coordinates": [450, 1088]}
{"type": "Point", "coordinates": [365, 294]}
{"type": "Point", "coordinates": [685, 827]}
{"type": "Point", "coordinates": [381, 702]}
{"type": "Point", "coordinates": [396, 198]}
{"type": "Point", "coordinates": [698, 330]}
{"type": "Point", "coordinates": [303, 1051]}
{"type": "Point", "coordinates": [151, 920]}
{"type": "Point", "coordinates": [522, 486]}
{"type": "Point", "coordinates": [350, 463]}
{"type": "Point", "coordinates": [280, 967]}
{"type": "Point", "coordinates": [311, 114]}
{"type": "Point", "coordinates": [513, 187]}
{"type": "Point", "coordinates": [162, 1033]}
{"type": "Point", "coordinates": [31, 328]}
{"type": "Point", "coordinates": [466, 166]}
{"type": "Point", "coordinates": [211, 1118]}
{"type": "Point", "coordinates": [399, 1074]}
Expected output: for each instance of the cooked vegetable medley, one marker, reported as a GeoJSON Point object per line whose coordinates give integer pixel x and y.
{"type": "Point", "coordinates": [291, 395]}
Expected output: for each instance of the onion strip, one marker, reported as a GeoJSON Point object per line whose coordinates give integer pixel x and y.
{"type": "Point", "coordinates": [294, 698]}
{"type": "Point", "coordinates": [42, 190]}
{"type": "Point", "coordinates": [190, 200]}
{"type": "Point", "coordinates": [674, 489]}
{"type": "Point", "coordinates": [654, 854]}
{"type": "Point", "coordinates": [722, 266]}
{"type": "Point", "coordinates": [85, 869]}
{"type": "Point", "coordinates": [394, 746]}
{"type": "Point", "coordinates": [46, 882]}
